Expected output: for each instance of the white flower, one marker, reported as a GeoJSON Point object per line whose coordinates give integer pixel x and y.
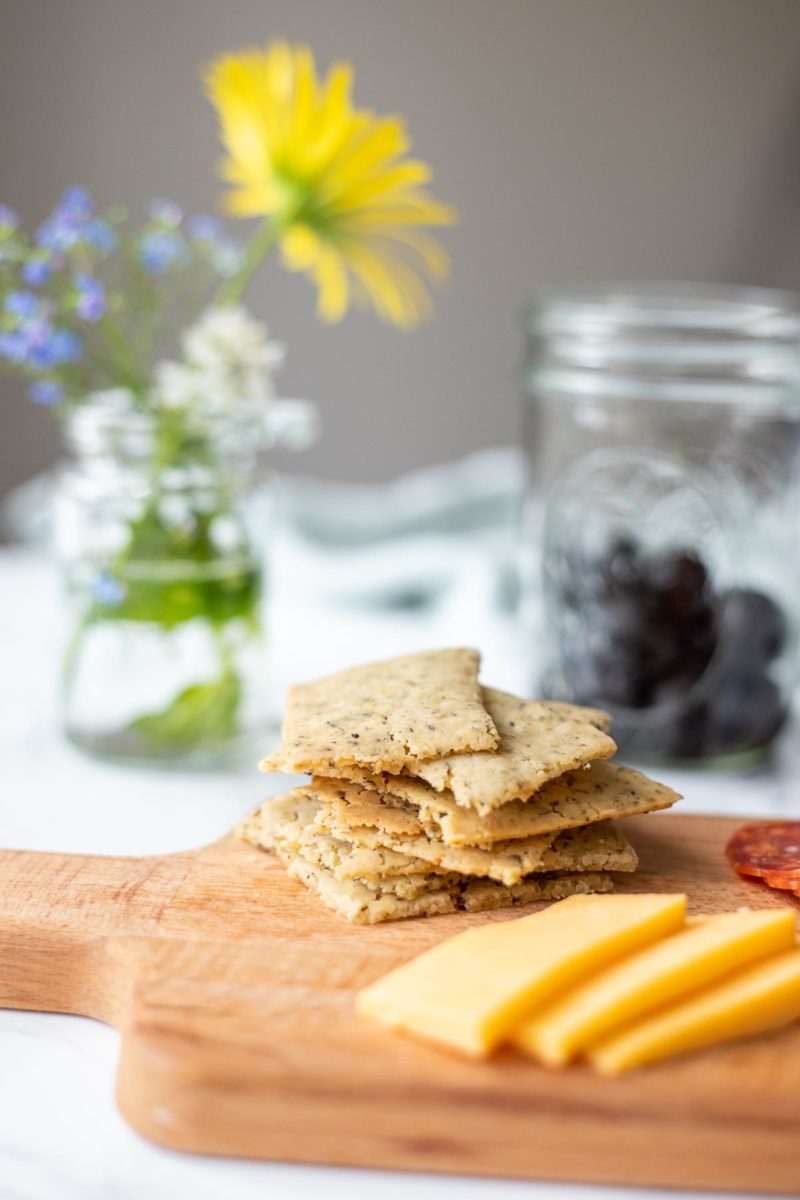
{"type": "Point", "coordinates": [230, 337]}
{"type": "Point", "coordinates": [228, 364]}
{"type": "Point", "coordinates": [177, 386]}
{"type": "Point", "coordinates": [115, 400]}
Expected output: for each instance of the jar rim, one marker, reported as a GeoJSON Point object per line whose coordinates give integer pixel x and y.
{"type": "Point", "coordinates": [704, 343]}
{"type": "Point", "coordinates": [637, 306]}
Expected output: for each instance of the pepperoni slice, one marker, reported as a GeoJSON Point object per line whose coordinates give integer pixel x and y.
{"type": "Point", "coordinates": [766, 848]}
{"type": "Point", "coordinates": [789, 878]}
{"type": "Point", "coordinates": [785, 883]}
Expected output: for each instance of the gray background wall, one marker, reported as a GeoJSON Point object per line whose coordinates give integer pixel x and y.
{"type": "Point", "coordinates": [581, 139]}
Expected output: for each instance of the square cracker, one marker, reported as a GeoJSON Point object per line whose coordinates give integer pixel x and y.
{"type": "Point", "coordinates": [539, 741]}
{"type": "Point", "coordinates": [386, 715]}
{"type": "Point", "coordinates": [363, 906]}
{"type": "Point", "coordinates": [368, 901]}
{"type": "Point", "coordinates": [599, 792]}
{"type": "Point", "coordinates": [482, 895]}
{"type": "Point", "coordinates": [292, 820]}
{"type": "Point", "coordinates": [599, 847]}
{"type": "Point", "coordinates": [302, 825]}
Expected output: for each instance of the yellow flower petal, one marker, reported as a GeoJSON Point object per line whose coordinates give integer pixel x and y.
{"type": "Point", "coordinates": [432, 257]}
{"type": "Point", "coordinates": [334, 291]}
{"type": "Point", "coordinates": [351, 207]}
{"type": "Point", "coordinates": [300, 247]}
{"type": "Point", "coordinates": [396, 291]}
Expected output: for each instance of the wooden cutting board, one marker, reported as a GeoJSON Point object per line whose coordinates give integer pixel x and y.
{"type": "Point", "coordinates": [233, 987]}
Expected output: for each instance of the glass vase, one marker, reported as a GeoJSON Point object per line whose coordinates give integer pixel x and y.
{"type": "Point", "coordinates": [165, 653]}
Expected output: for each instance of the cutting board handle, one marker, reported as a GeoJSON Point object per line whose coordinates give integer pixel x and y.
{"type": "Point", "coordinates": [57, 915]}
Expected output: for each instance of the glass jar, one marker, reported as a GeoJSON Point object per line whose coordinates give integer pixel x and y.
{"type": "Point", "coordinates": [164, 580]}
{"type": "Point", "coordinates": [662, 429]}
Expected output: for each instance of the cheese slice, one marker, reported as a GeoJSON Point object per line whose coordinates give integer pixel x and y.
{"type": "Point", "coordinates": [469, 992]}
{"type": "Point", "coordinates": [759, 999]}
{"type": "Point", "coordinates": [652, 978]}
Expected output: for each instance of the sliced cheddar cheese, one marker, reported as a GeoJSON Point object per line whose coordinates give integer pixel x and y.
{"type": "Point", "coordinates": [653, 978]}
{"type": "Point", "coordinates": [469, 992]}
{"type": "Point", "coordinates": [762, 998]}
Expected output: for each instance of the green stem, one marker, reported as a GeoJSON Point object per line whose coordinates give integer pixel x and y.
{"type": "Point", "coordinates": [73, 648]}
{"type": "Point", "coordinates": [128, 367]}
{"type": "Point", "coordinates": [260, 244]}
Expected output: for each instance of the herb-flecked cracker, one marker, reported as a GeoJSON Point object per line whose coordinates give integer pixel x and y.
{"type": "Point", "coordinates": [386, 715]}
{"type": "Point", "coordinates": [280, 826]}
{"type": "Point", "coordinates": [539, 741]}
{"type": "Point", "coordinates": [600, 847]}
{"type": "Point", "coordinates": [482, 895]}
{"type": "Point", "coordinates": [600, 792]}
{"type": "Point", "coordinates": [293, 820]}
{"type": "Point", "coordinates": [363, 906]}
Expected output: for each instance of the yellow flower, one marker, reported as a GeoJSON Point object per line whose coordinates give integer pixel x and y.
{"type": "Point", "coordinates": [345, 204]}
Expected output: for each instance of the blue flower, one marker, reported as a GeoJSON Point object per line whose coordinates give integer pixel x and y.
{"type": "Point", "coordinates": [13, 346]}
{"type": "Point", "coordinates": [65, 346]}
{"type": "Point", "coordinates": [37, 330]}
{"type": "Point", "coordinates": [160, 250]}
{"type": "Point", "coordinates": [22, 304]}
{"type": "Point", "coordinates": [57, 234]}
{"type": "Point", "coordinates": [204, 229]}
{"type": "Point", "coordinates": [76, 204]}
{"type": "Point", "coordinates": [51, 347]}
{"type": "Point", "coordinates": [107, 590]}
{"type": "Point", "coordinates": [91, 302]}
{"type": "Point", "coordinates": [100, 235]}
{"type": "Point", "coordinates": [46, 391]}
{"type": "Point", "coordinates": [72, 223]}
{"type": "Point", "coordinates": [37, 270]}
{"type": "Point", "coordinates": [8, 218]}
{"type": "Point", "coordinates": [165, 212]}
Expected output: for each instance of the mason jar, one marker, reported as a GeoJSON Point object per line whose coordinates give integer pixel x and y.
{"type": "Point", "coordinates": [660, 538]}
{"type": "Point", "coordinates": [163, 554]}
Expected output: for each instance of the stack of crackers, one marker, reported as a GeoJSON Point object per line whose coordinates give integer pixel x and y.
{"type": "Point", "coordinates": [430, 793]}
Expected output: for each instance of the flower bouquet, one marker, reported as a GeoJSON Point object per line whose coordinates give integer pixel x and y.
{"type": "Point", "coordinates": [136, 335]}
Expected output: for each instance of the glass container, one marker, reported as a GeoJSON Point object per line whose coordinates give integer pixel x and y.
{"type": "Point", "coordinates": [662, 430]}
{"type": "Point", "coordinates": [165, 582]}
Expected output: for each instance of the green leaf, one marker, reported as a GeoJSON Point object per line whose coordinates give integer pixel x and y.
{"type": "Point", "coordinates": [202, 713]}
{"type": "Point", "coordinates": [172, 575]}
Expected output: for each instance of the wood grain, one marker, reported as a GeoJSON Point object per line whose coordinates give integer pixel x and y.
{"type": "Point", "coordinates": [233, 990]}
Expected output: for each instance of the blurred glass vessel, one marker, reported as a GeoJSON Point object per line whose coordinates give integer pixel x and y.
{"type": "Point", "coordinates": [163, 550]}
{"type": "Point", "coordinates": [662, 428]}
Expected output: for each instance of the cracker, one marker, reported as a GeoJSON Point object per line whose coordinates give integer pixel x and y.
{"type": "Point", "coordinates": [287, 826]}
{"type": "Point", "coordinates": [360, 905]}
{"type": "Point", "coordinates": [349, 860]}
{"type": "Point", "coordinates": [539, 741]}
{"type": "Point", "coordinates": [601, 847]}
{"type": "Point", "coordinates": [386, 715]}
{"type": "Point", "coordinates": [577, 712]}
{"type": "Point", "coordinates": [291, 820]}
{"type": "Point", "coordinates": [403, 887]}
{"type": "Point", "coordinates": [363, 906]}
{"type": "Point", "coordinates": [600, 792]}
{"type": "Point", "coordinates": [481, 895]}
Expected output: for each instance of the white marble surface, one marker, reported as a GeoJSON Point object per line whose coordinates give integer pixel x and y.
{"type": "Point", "coordinates": [60, 1134]}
